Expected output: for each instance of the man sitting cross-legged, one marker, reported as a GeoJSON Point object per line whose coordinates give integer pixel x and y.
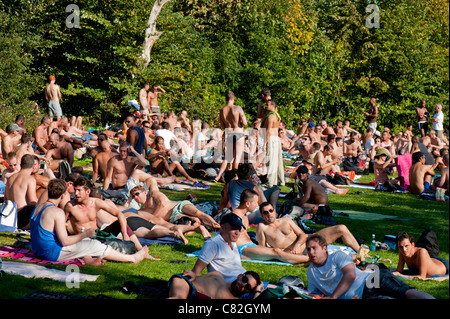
{"type": "Point", "coordinates": [288, 240]}
{"type": "Point", "coordinates": [50, 240]}
{"type": "Point", "coordinates": [159, 209]}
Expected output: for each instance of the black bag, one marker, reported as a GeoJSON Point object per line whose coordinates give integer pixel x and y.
{"type": "Point", "coordinates": [429, 241]}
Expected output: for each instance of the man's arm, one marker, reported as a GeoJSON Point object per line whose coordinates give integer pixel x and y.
{"type": "Point", "coordinates": [100, 204]}
{"type": "Point", "coordinates": [109, 173]}
{"type": "Point", "coordinates": [301, 237]}
{"type": "Point", "coordinates": [31, 192]}
{"type": "Point", "coordinates": [348, 277]}
{"type": "Point", "coordinates": [306, 194]}
{"type": "Point", "coordinates": [260, 235]}
{"type": "Point", "coordinates": [64, 238]}
{"type": "Point", "coordinates": [198, 267]}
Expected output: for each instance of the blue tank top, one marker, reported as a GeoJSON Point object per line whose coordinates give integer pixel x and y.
{"type": "Point", "coordinates": [140, 143]}
{"type": "Point", "coordinates": [45, 244]}
{"type": "Point", "coordinates": [235, 189]}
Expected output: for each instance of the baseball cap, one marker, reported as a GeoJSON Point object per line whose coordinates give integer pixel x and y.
{"type": "Point", "coordinates": [381, 151]}
{"type": "Point", "coordinates": [51, 77]}
{"type": "Point", "coordinates": [311, 124]}
{"type": "Point", "coordinates": [232, 219]}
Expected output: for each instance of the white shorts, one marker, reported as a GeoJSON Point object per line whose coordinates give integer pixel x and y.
{"type": "Point", "coordinates": [86, 247]}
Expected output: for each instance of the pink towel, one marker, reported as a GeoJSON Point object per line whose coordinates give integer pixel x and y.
{"type": "Point", "coordinates": [404, 163]}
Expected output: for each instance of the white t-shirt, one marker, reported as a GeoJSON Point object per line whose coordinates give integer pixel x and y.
{"type": "Point", "coordinates": [439, 126]}
{"type": "Point", "coordinates": [198, 153]}
{"type": "Point", "coordinates": [167, 136]}
{"type": "Point", "coordinates": [220, 257]}
{"type": "Point", "coordinates": [325, 279]}
{"type": "Point", "coordinates": [369, 143]}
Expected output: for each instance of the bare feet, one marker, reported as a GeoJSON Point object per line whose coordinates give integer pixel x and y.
{"type": "Point", "coordinates": [94, 261]}
{"type": "Point", "coordinates": [342, 191]}
{"type": "Point", "coordinates": [166, 180]}
{"type": "Point", "coordinates": [140, 255]}
{"type": "Point", "coordinates": [205, 233]}
{"type": "Point", "coordinates": [178, 234]}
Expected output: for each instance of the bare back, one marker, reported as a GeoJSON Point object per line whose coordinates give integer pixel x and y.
{"type": "Point", "coordinates": [52, 92]}
{"type": "Point", "coordinates": [21, 189]}
{"type": "Point", "coordinates": [230, 117]}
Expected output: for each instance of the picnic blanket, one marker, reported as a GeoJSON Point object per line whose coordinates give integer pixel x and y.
{"type": "Point", "coordinates": [27, 255]}
{"type": "Point", "coordinates": [167, 240]}
{"type": "Point", "coordinates": [37, 271]}
{"type": "Point", "coordinates": [352, 214]}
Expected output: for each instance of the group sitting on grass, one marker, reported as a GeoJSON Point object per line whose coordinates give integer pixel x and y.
{"type": "Point", "coordinates": [67, 210]}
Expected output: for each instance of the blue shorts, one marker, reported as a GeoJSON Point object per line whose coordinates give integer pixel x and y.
{"type": "Point", "coordinates": [242, 247]}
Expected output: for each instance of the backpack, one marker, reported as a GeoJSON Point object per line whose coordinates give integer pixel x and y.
{"type": "Point", "coordinates": [429, 241]}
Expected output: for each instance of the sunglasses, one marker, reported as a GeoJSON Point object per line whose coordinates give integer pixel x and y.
{"type": "Point", "coordinates": [267, 211]}
{"type": "Point", "coordinates": [136, 194]}
{"type": "Point", "coordinates": [246, 282]}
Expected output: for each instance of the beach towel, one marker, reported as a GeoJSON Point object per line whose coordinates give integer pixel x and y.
{"type": "Point", "coordinates": [36, 271]}
{"type": "Point", "coordinates": [404, 163]}
{"type": "Point", "coordinates": [167, 240]}
{"type": "Point", "coordinates": [364, 215]}
{"type": "Point", "coordinates": [27, 255]}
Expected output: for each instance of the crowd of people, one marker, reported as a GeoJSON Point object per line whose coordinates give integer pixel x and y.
{"type": "Point", "coordinates": [131, 160]}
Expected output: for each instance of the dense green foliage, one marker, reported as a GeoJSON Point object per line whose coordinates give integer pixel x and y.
{"type": "Point", "coordinates": [319, 58]}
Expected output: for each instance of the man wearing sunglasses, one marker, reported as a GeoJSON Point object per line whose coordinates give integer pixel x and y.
{"type": "Point", "coordinates": [287, 238]}
{"type": "Point", "coordinates": [212, 285]}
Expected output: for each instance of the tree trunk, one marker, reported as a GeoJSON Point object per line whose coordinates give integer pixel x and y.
{"type": "Point", "coordinates": [151, 35]}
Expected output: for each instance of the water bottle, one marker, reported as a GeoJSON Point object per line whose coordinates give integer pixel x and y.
{"type": "Point", "coordinates": [373, 244]}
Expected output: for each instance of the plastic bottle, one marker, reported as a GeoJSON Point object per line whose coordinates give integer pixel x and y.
{"type": "Point", "coordinates": [373, 244]}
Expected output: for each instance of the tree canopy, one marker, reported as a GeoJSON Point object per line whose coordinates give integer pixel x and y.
{"type": "Point", "coordinates": [319, 58]}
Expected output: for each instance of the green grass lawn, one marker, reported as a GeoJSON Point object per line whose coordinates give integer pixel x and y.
{"type": "Point", "coordinates": [412, 215]}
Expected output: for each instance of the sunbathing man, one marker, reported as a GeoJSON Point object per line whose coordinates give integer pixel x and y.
{"type": "Point", "coordinates": [21, 189]}
{"type": "Point", "coordinates": [213, 286]}
{"type": "Point", "coordinates": [420, 175]}
{"type": "Point", "coordinates": [41, 135]}
{"type": "Point", "coordinates": [419, 262]}
{"type": "Point", "coordinates": [159, 158]}
{"type": "Point", "coordinates": [60, 150]}
{"type": "Point", "coordinates": [100, 161]}
{"type": "Point", "coordinates": [313, 194]}
{"type": "Point", "coordinates": [82, 214]}
{"type": "Point", "coordinates": [381, 166]}
{"type": "Point", "coordinates": [161, 207]}
{"type": "Point", "coordinates": [289, 241]}
{"type": "Point", "coordinates": [148, 228]}
{"type": "Point", "coordinates": [50, 240]}
{"type": "Point", "coordinates": [11, 140]}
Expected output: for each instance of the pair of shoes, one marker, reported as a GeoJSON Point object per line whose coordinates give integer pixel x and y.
{"type": "Point", "coordinates": [64, 169]}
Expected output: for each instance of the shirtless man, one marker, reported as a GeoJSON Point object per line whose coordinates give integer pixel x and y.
{"type": "Point", "coordinates": [246, 247]}
{"type": "Point", "coordinates": [352, 146]}
{"type": "Point", "coordinates": [152, 98]}
{"type": "Point", "coordinates": [49, 218]}
{"type": "Point", "coordinates": [275, 169]}
{"type": "Point", "coordinates": [147, 212]}
{"type": "Point", "coordinates": [372, 115]}
{"type": "Point", "coordinates": [100, 161]}
{"type": "Point", "coordinates": [443, 180]}
{"type": "Point", "coordinates": [311, 132]}
{"type": "Point", "coordinates": [161, 207]}
{"type": "Point", "coordinates": [435, 143]}
{"type": "Point", "coordinates": [159, 160]}
{"type": "Point", "coordinates": [53, 97]}
{"type": "Point", "coordinates": [143, 100]}
{"type": "Point", "coordinates": [313, 194]}
{"type": "Point", "coordinates": [266, 96]}
{"type": "Point", "coordinates": [326, 130]}
{"type": "Point", "coordinates": [232, 120]}
{"type": "Point", "coordinates": [381, 166]}
{"type": "Point", "coordinates": [420, 175]}
{"type": "Point", "coordinates": [21, 189]}
{"type": "Point", "coordinates": [14, 166]}
{"type": "Point", "coordinates": [289, 241]}
{"type": "Point", "coordinates": [61, 150]}
{"type": "Point", "coordinates": [325, 162]}
{"type": "Point", "coordinates": [78, 136]}
{"type": "Point", "coordinates": [417, 259]}
{"type": "Point", "coordinates": [12, 140]}
{"type": "Point", "coordinates": [120, 167]}
{"type": "Point", "coordinates": [41, 135]}
{"type": "Point", "coordinates": [422, 118]}
{"type": "Point", "coordinates": [213, 286]}
{"type": "Point", "coordinates": [81, 214]}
